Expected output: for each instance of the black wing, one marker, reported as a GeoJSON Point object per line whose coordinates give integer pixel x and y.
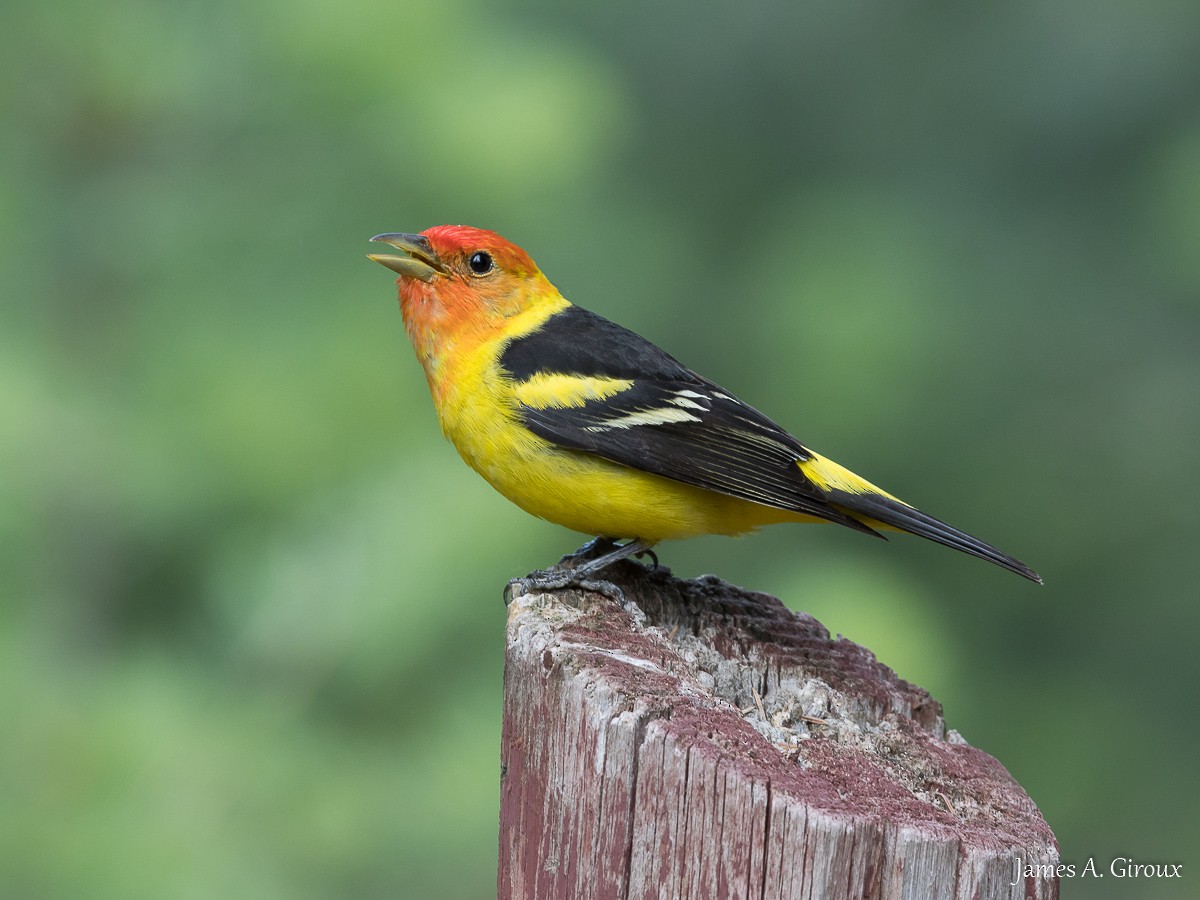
{"type": "Point", "coordinates": [670, 421]}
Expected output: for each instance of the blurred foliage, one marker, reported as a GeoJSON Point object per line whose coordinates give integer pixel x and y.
{"type": "Point", "coordinates": [251, 633]}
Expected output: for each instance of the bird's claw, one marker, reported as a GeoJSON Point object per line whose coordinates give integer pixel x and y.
{"type": "Point", "coordinates": [600, 586]}
{"type": "Point", "coordinates": [652, 555]}
{"type": "Point", "coordinates": [558, 578]}
{"type": "Point", "coordinates": [576, 569]}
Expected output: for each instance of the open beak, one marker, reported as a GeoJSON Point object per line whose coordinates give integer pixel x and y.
{"type": "Point", "coordinates": [420, 260]}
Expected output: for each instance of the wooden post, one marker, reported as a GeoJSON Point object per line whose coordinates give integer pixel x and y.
{"type": "Point", "coordinates": [702, 741]}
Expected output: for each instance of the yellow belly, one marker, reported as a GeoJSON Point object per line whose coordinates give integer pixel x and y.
{"type": "Point", "coordinates": [581, 491]}
{"type": "Point", "coordinates": [597, 497]}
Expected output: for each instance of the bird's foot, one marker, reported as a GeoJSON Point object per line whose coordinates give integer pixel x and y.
{"type": "Point", "coordinates": [558, 578]}
{"type": "Point", "coordinates": [569, 572]}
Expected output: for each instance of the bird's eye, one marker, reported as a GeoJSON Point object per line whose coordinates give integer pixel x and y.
{"type": "Point", "coordinates": [480, 262]}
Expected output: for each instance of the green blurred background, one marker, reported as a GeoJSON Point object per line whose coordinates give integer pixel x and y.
{"type": "Point", "coordinates": [251, 629]}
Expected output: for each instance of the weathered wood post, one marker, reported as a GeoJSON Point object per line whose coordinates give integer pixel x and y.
{"type": "Point", "coordinates": [701, 741]}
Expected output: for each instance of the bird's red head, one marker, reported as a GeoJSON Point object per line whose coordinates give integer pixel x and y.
{"type": "Point", "coordinates": [456, 284]}
{"type": "Point", "coordinates": [456, 246]}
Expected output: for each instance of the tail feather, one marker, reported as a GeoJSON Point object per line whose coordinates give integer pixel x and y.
{"type": "Point", "coordinates": [886, 510]}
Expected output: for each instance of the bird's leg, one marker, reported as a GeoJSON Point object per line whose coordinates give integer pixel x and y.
{"type": "Point", "coordinates": [631, 548]}
{"type": "Point", "coordinates": [580, 576]}
{"type": "Point", "coordinates": [597, 545]}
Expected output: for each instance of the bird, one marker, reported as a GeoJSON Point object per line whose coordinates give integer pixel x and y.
{"type": "Point", "coordinates": [582, 422]}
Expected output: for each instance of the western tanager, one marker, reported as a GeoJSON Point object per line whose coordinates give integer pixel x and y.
{"type": "Point", "coordinates": [584, 423]}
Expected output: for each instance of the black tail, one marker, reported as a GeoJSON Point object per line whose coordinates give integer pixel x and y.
{"type": "Point", "coordinates": [906, 518]}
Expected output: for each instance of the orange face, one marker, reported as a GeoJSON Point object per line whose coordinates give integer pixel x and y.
{"type": "Point", "coordinates": [481, 275]}
{"type": "Point", "coordinates": [456, 283]}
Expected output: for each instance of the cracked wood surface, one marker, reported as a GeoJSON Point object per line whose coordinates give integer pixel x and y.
{"type": "Point", "coordinates": [704, 741]}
